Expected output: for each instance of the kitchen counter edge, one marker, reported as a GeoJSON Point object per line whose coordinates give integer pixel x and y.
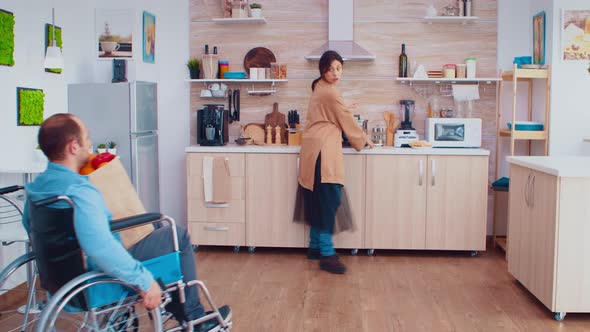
{"type": "Point", "coordinates": [561, 166]}
{"type": "Point", "coordinates": [234, 148]}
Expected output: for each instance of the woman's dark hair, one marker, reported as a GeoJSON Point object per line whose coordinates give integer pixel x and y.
{"type": "Point", "coordinates": [56, 132]}
{"type": "Point", "coordinates": [325, 61]}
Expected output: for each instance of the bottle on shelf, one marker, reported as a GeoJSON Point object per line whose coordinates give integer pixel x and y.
{"type": "Point", "coordinates": [403, 62]}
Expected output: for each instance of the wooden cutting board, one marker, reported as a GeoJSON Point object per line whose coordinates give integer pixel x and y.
{"type": "Point", "coordinates": [255, 131]}
{"type": "Point", "coordinates": [258, 57]}
{"type": "Point", "coordinates": [276, 118]}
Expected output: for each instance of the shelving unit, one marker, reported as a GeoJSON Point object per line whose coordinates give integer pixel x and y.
{"type": "Point", "coordinates": [450, 19]}
{"type": "Point", "coordinates": [515, 76]}
{"type": "Point", "coordinates": [247, 20]}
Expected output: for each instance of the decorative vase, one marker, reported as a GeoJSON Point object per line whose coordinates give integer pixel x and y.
{"type": "Point", "coordinates": [99, 150]}
{"type": "Point", "coordinates": [195, 73]}
{"type": "Point", "coordinates": [256, 12]}
{"type": "Point", "coordinates": [112, 151]}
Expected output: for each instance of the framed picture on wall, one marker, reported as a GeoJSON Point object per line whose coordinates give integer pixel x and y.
{"type": "Point", "coordinates": [114, 33]}
{"type": "Point", "coordinates": [575, 35]}
{"type": "Point", "coordinates": [539, 38]}
{"type": "Point", "coordinates": [149, 37]}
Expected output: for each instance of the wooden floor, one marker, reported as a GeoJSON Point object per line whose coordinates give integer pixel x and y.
{"type": "Point", "coordinates": [280, 290]}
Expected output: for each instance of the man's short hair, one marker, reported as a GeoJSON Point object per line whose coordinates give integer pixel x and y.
{"type": "Point", "coordinates": [56, 132]}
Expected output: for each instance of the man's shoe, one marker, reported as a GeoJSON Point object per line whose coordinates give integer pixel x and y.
{"type": "Point", "coordinates": [332, 264]}
{"type": "Point", "coordinates": [212, 325]}
{"type": "Point", "coordinates": [313, 254]}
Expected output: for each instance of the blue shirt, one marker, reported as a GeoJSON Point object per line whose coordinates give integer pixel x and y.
{"type": "Point", "coordinates": [103, 249]}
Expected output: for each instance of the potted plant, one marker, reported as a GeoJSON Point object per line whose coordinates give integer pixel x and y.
{"type": "Point", "coordinates": [101, 148]}
{"type": "Point", "coordinates": [112, 147]}
{"type": "Point", "coordinates": [255, 10]}
{"type": "Point", "coordinates": [193, 65]}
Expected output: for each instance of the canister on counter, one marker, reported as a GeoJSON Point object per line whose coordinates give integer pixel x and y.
{"type": "Point", "coordinates": [449, 70]}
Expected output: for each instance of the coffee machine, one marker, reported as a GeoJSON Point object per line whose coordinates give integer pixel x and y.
{"type": "Point", "coordinates": [406, 134]}
{"type": "Point", "coordinates": [212, 125]}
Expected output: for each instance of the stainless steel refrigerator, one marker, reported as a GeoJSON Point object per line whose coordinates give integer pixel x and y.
{"type": "Point", "coordinates": [125, 113]}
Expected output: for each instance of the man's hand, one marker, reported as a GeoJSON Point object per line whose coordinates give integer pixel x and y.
{"type": "Point", "coordinates": [153, 297]}
{"type": "Point", "coordinates": [369, 143]}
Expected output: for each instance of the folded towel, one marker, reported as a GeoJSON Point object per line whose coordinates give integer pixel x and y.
{"type": "Point", "coordinates": [216, 181]}
{"type": "Point", "coordinates": [208, 178]}
{"type": "Point", "coordinates": [464, 92]}
{"type": "Point", "coordinates": [221, 180]}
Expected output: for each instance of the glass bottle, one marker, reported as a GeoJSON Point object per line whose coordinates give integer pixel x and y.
{"type": "Point", "coordinates": [403, 62]}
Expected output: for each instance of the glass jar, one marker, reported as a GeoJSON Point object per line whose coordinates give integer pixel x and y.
{"type": "Point", "coordinates": [449, 70]}
{"type": "Point", "coordinates": [378, 136]}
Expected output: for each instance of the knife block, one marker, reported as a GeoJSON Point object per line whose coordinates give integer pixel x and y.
{"type": "Point", "coordinates": [294, 138]}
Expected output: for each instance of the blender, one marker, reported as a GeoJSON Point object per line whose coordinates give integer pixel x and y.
{"type": "Point", "coordinates": [406, 134]}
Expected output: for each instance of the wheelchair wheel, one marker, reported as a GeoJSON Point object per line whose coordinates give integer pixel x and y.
{"type": "Point", "coordinates": [25, 301]}
{"type": "Point", "coordinates": [64, 312]}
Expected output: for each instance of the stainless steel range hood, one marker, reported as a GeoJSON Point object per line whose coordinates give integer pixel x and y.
{"type": "Point", "coordinates": [340, 34]}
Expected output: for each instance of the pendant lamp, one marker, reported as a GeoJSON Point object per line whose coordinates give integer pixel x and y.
{"type": "Point", "coordinates": [53, 57]}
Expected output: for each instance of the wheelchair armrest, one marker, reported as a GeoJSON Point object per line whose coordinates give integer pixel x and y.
{"type": "Point", "coordinates": [10, 189]}
{"type": "Point", "coordinates": [133, 221]}
{"type": "Point", "coordinates": [53, 199]}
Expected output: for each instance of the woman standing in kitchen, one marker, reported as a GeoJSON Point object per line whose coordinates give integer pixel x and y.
{"type": "Point", "coordinates": [321, 170]}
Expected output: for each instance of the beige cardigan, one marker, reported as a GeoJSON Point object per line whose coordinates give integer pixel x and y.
{"type": "Point", "coordinates": [327, 117]}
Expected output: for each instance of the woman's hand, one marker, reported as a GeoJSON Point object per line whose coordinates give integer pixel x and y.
{"type": "Point", "coordinates": [369, 143]}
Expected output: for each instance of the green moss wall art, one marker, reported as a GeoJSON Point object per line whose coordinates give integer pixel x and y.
{"type": "Point", "coordinates": [30, 105]}
{"type": "Point", "coordinates": [49, 41]}
{"type": "Point", "coordinates": [6, 38]}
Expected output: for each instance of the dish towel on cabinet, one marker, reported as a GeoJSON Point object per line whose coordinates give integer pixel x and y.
{"type": "Point", "coordinates": [216, 181]}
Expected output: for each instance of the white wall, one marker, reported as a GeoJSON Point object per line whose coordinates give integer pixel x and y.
{"type": "Point", "coordinates": [76, 18]}
{"type": "Point", "coordinates": [570, 113]}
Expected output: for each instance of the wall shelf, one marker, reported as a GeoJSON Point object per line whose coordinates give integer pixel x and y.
{"type": "Point", "coordinates": [246, 20]}
{"type": "Point", "coordinates": [252, 91]}
{"type": "Point", "coordinates": [425, 87]}
{"type": "Point", "coordinates": [450, 19]}
{"type": "Point", "coordinates": [236, 80]}
{"type": "Point", "coordinates": [411, 80]}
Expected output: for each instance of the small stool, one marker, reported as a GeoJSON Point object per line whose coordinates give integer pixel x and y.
{"type": "Point", "coordinates": [500, 188]}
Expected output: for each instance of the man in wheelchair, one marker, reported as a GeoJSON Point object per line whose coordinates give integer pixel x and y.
{"type": "Point", "coordinates": [65, 141]}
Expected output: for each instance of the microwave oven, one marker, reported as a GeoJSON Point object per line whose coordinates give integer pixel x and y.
{"type": "Point", "coordinates": [454, 132]}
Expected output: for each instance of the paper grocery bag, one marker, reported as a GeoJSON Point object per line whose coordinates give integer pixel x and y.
{"type": "Point", "coordinates": [121, 198]}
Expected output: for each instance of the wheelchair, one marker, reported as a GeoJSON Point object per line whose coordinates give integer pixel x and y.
{"type": "Point", "coordinates": [21, 269]}
{"type": "Point", "coordinates": [83, 300]}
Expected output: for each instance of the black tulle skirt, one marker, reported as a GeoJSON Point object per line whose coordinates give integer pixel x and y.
{"type": "Point", "coordinates": [326, 207]}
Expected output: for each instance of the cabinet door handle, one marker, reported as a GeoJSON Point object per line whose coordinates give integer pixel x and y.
{"type": "Point", "coordinates": [526, 191]}
{"type": "Point", "coordinates": [297, 166]}
{"type": "Point", "coordinates": [433, 180]}
{"type": "Point", "coordinates": [421, 172]}
{"type": "Point", "coordinates": [532, 192]}
{"type": "Point", "coordinates": [216, 228]}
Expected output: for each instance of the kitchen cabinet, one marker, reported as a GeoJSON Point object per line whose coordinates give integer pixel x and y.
{"type": "Point", "coordinates": [456, 206]}
{"type": "Point", "coordinates": [211, 224]}
{"type": "Point", "coordinates": [271, 187]}
{"type": "Point", "coordinates": [426, 202]}
{"type": "Point", "coordinates": [548, 231]}
{"type": "Point", "coordinates": [396, 202]}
